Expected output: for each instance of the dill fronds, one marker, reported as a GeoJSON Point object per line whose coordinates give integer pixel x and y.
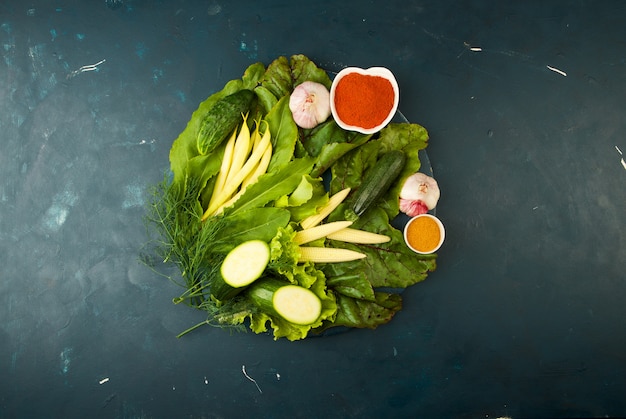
{"type": "Point", "coordinates": [178, 236]}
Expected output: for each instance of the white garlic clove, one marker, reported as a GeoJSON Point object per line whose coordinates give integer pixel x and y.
{"type": "Point", "coordinates": [419, 190]}
{"type": "Point", "coordinates": [309, 104]}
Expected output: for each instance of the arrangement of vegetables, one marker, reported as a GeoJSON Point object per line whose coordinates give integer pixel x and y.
{"type": "Point", "coordinates": [275, 217]}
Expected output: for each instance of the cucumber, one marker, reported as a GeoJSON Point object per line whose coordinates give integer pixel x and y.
{"type": "Point", "coordinates": [222, 119]}
{"type": "Point", "coordinates": [243, 265]}
{"type": "Point", "coordinates": [378, 180]}
{"type": "Point", "coordinates": [296, 304]}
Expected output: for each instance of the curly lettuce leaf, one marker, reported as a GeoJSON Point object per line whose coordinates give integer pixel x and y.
{"type": "Point", "coordinates": [241, 309]}
{"type": "Point", "coordinates": [284, 255]}
{"type": "Point", "coordinates": [283, 328]}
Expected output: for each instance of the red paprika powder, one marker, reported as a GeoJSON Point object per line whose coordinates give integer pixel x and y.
{"type": "Point", "coordinates": [363, 101]}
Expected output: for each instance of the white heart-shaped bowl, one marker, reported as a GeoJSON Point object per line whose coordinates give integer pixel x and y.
{"type": "Point", "coordinates": [372, 72]}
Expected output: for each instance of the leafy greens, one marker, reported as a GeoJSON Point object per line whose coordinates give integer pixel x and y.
{"type": "Point", "coordinates": [362, 293]}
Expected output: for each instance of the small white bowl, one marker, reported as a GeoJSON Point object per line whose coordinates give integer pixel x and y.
{"type": "Point", "coordinates": [442, 233]}
{"type": "Point", "coordinates": [372, 71]}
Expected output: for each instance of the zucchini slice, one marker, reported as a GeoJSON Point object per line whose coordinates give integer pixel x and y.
{"type": "Point", "coordinates": [296, 304]}
{"type": "Point", "coordinates": [242, 266]}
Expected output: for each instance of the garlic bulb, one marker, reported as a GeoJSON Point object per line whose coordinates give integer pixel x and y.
{"type": "Point", "coordinates": [419, 194]}
{"type": "Point", "coordinates": [310, 104]}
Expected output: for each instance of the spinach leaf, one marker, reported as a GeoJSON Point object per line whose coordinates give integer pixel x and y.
{"type": "Point", "coordinates": [271, 186]}
{"type": "Point", "coordinates": [353, 312]}
{"type": "Point", "coordinates": [303, 69]}
{"type": "Point", "coordinates": [284, 134]}
{"type": "Point", "coordinates": [253, 224]}
{"type": "Point", "coordinates": [351, 284]}
{"type": "Point", "coordinates": [277, 78]}
{"type": "Point", "coordinates": [253, 75]}
{"type": "Point", "coordinates": [387, 265]}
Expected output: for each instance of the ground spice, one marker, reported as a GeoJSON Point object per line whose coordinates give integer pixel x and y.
{"type": "Point", "coordinates": [363, 101]}
{"type": "Point", "coordinates": [423, 234]}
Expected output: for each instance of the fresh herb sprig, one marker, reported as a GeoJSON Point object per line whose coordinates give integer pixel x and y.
{"type": "Point", "coordinates": [183, 239]}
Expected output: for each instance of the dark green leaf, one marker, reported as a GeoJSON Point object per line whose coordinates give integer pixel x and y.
{"type": "Point", "coordinates": [254, 224]}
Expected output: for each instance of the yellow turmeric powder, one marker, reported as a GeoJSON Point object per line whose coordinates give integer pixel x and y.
{"type": "Point", "coordinates": [423, 234]}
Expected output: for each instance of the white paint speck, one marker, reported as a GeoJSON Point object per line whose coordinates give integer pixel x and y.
{"type": "Point", "coordinates": [104, 380]}
{"type": "Point", "coordinates": [205, 380]}
{"type": "Point", "coordinates": [395, 351]}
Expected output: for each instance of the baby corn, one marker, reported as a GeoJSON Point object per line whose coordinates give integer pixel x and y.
{"type": "Point", "coordinates": [353, 235]}
{"type": "Point", "coordinates": [328, 254]}
{"type": "Point", "coordinates": [332, 203]}
{"type": "Point", "coordinates": [314, 233]}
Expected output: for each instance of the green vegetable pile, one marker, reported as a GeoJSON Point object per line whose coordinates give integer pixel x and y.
{"type": "Point", "coordinates": [306, 167]}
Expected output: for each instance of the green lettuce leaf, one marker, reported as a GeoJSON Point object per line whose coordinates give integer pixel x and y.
{"type": "Point", "coordinates": [284, 255]}
{"type": "Point", "coordinates": [283, 328]}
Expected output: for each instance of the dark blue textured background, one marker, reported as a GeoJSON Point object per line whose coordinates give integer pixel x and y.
{"type": "Point", "coordinates": [524, 316]}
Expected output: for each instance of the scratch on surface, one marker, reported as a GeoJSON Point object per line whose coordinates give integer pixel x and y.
{"type": "Point", "coordinates": [85, 68]}
{"type": "Point", "coordinates": [556, 70]}
{"type": "Point", "coordinates": [621, 154]}
{"type": "Point", "coordinates": [243, 369]}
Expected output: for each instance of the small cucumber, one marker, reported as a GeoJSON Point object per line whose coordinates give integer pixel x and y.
{"type": "Point", "coordinates": [296, 304]}
{"type": "Point", "coordinates": [378, 180]}
{"type": "Point", "coordinates": [242, 266]}
{"type": "Point", "coordinates": [222, 119]}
